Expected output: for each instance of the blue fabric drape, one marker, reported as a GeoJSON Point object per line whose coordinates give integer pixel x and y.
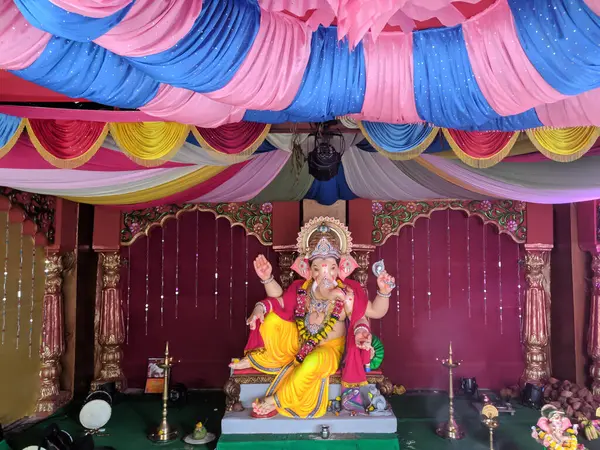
{"type": "Point", "coordinates": [333, 85]}
{"type": "Point", "coordinates": [85, 70]}
{"type": "Point", "coordinates": [562, 40]}
{"type": "Point", "coordinates": [329, 192]}
{"type": "Point", "coordinates": [46, 16]}
{"type": "Point", "coordinates": [208, 57]}
{"type": "Point", "coordinates": [8, 127]}
{"type": "Point", "coordinates": [446, 92]}
{"type": "Point", "coordinates": [397, 138]}
{"type": "Point", "coordinates": [518, 122]}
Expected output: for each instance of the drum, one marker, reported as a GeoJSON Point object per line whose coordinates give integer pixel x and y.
{"type": "Point", "coordinates": [96, 410]}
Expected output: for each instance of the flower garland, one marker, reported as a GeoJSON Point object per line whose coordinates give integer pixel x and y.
{"type": "Point", "coordinates": [549, 442]}
{"type": "Point", "coordinates": [312, 341]}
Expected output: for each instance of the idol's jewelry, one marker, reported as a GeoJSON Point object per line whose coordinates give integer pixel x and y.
{"type": "Point", "coordinates": [381, 294]}
{"type": "Point", "coordinates": [264, 307]}
{"type": "Point", "coordinates": [268, 280]}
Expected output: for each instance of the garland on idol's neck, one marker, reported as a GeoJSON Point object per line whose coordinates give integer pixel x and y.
{"type": "Point", "coordinates": [310, 341]}
{"type": "Point", "coordinates": [571, 444]}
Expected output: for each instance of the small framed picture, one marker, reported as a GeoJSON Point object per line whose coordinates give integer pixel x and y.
{"type": "Point", "coordinates": [155, 381]}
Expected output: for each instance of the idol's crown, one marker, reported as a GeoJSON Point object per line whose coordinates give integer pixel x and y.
{"type": "Point", "coordinates": [324, 249]}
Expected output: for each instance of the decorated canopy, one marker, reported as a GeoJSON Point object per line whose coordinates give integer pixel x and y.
{"type": "Point", "coordinates": [441, 99]}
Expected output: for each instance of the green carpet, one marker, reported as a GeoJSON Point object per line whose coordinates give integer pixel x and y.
{"type": "Point", "coordinates": [418, 416]}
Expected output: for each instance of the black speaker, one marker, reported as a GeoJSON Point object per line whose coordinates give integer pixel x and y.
{"type": "Point", "coordinates": [1, 433]}
{"type": "Point", "coordinates": [532, 396]}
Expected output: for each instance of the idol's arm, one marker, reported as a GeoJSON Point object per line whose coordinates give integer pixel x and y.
{"type": "Point", "coordinates": [378, 307]}
{"type": "Point", "coordinates": [274, 289]}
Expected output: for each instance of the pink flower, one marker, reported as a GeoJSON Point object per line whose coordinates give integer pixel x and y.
{"type": "Point", "coordinates": [386, 229]}
{"type": "Point", "coordinates": [512, 226]}
{"type": "Point", "coordinates": [258, 228]}
{"type": "Point", "coordinates": [163, 208]}
{"type": "Point", "coordinates": [232, 207]}
{"type": "Point", "coordinates": [485, 205]}
{"type": "Point", "coordinates": [377, 208]}
{"type": "Point", "coordinates": [519, 206]}
{"type": "Point", "coordinates": [134, 227]}
{"type": "Point", "coordinates": [266, 208]}
{"type": "Point", "coordinates": [411, 207]}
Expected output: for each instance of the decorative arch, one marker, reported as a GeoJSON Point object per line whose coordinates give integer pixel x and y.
{"type": "Point", "coordinates": [508, 216]}
{"type": "Point", "coordinates": [37, 209]}
{"type": "Point", "coordinates": [254, 218]}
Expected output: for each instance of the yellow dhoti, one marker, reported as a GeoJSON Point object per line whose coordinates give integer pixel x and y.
{"type": "Point", "coordinates": [299, 389]}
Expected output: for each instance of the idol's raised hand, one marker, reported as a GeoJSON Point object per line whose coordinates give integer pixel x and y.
{"type": "Point", "coordinates": [263, 268]}
{"type": "Point", "coordinates": [385, 283]}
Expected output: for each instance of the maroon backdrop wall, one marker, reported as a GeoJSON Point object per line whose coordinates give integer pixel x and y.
{"type": "Point", "coordinates": [479, 310]}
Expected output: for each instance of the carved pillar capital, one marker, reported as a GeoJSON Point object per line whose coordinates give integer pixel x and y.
{"type": "Point", "coordinates": [53, 343]}
{"type": "Point", "coordinates": [594, 326]}
{"type": "Point", "coordinates": [286, 256]}
{"type": "Point", "coordinates": [111, 330]}
{"type": "Point", "coordinates": [536, 324]}
{"type": "Point", "coordinates": [362, 255]}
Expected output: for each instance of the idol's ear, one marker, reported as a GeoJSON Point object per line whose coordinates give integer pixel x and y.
{"type": "Point", "coordinates": [301, 267]}
{"type": "Point", "coordinates": [347, 265]}
{"type": "Point", "coordinates": [544, 424]}
{"type": "Point", "coordinates": [566, 424]}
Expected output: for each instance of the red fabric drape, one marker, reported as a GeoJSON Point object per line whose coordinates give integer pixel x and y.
{"type": "Point", "coordinates": [233, 138]}
{"type": "Point", "coordinates": [481, 144]}
{"type": "Point", "coordinates": [67, 139]}
{"type": "Point", "coordinates": [206, 337]}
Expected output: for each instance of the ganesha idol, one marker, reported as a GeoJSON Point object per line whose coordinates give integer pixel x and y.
{"type": "Point", "coordinates": [318, 325]}
{"type": "Point", "coordinates": [555, 431]}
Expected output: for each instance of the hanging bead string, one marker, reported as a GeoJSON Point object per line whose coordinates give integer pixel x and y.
{"type": "Point", "coordinates": [32, 299]}
{"type": "Point", "coordinates": [196, 272]}
{"type": "Point", "coordinates": [147, 279]}
{"type": "Point", "coordinates": [412, 256]}
{"type": "Point", "coordinates": [429, 268]}
{"type": "Point", "coordinates": [20, 288]}
{"type": "Point", "coordinates": [484, 275]}
{"type": "Point", "coordinates": [216, 266]}
{"type": "Point", "coordinates": [230, 277]}
{"type": "Point", "coordinates": [6, 232]}
{"type": "Point", "coordinates": [519, 298]}
{"type": "Point", "coordinates": [396, 273]}
{"type": "Point", "coordinates": [128, 293]}
{"type": "Point", "coordinates": [449, 263]}
{"type": "Point", "coordinates": [469, 265]}
{"type": "Point", "coordinates": [162, 276]}
{"type": "Point", "coordinates": [246, 279]}
{"type": "Point", "coordinates": [500, 283]}
{"type": "Point", "coordinates": [177, 272]}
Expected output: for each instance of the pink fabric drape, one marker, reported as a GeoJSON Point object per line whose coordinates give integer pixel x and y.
{"type": "Point", "coordinates": [271, 74]}
{"type": "Point", "coordinates": [20, 43]}
{"type": "Point", "coordinates": [508, 80]}
{"type": "Point", "coordinates": [92, 8]}
{"type": "Point", "coordinates": [151, 27]}
{"type": "Point", "coordinates": [594, 5]}
{"type": "Point", "coordinates": [582, 109]}
{"type": "Point", "coordinates": [180, 105]}
{"type": "Point", "coordinates": [389, 95]}
{"type": "Point", "coordinates": [37, 112]}
{"type": "Point", "coordinates": [249, 181]}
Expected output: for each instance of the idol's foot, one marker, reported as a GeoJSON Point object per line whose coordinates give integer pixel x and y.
{"type": "Point", "coordinates": [263, 409]}
{"type": "Point", "coordinates": [243, 363]}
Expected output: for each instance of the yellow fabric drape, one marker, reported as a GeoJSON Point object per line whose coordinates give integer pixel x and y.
{"type": "Point", "coordinates": [299, 390]}
{"type": "Point", "coordinates": [157, 192]}
{"type": "Point", "coordinates": [405, 155]}
{"type": "Point", "coordinates": [564, 144]}
{"type": "Point", "coordinates": [13, 139]}
{"type": "Point", "coordinates": [150, 144]}
{"type": "Point", "coordinates": [20, 377]}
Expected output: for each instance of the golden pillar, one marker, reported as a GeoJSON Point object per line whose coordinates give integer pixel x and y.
{"type": "Point", "coordinates": [53, 342]}
{"type": "Point", "coordinates": [111, 332]}
{"type": "Point", "coordinates": [594, 326]}
{"type": "Point", "coordinates": [536, 325]}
